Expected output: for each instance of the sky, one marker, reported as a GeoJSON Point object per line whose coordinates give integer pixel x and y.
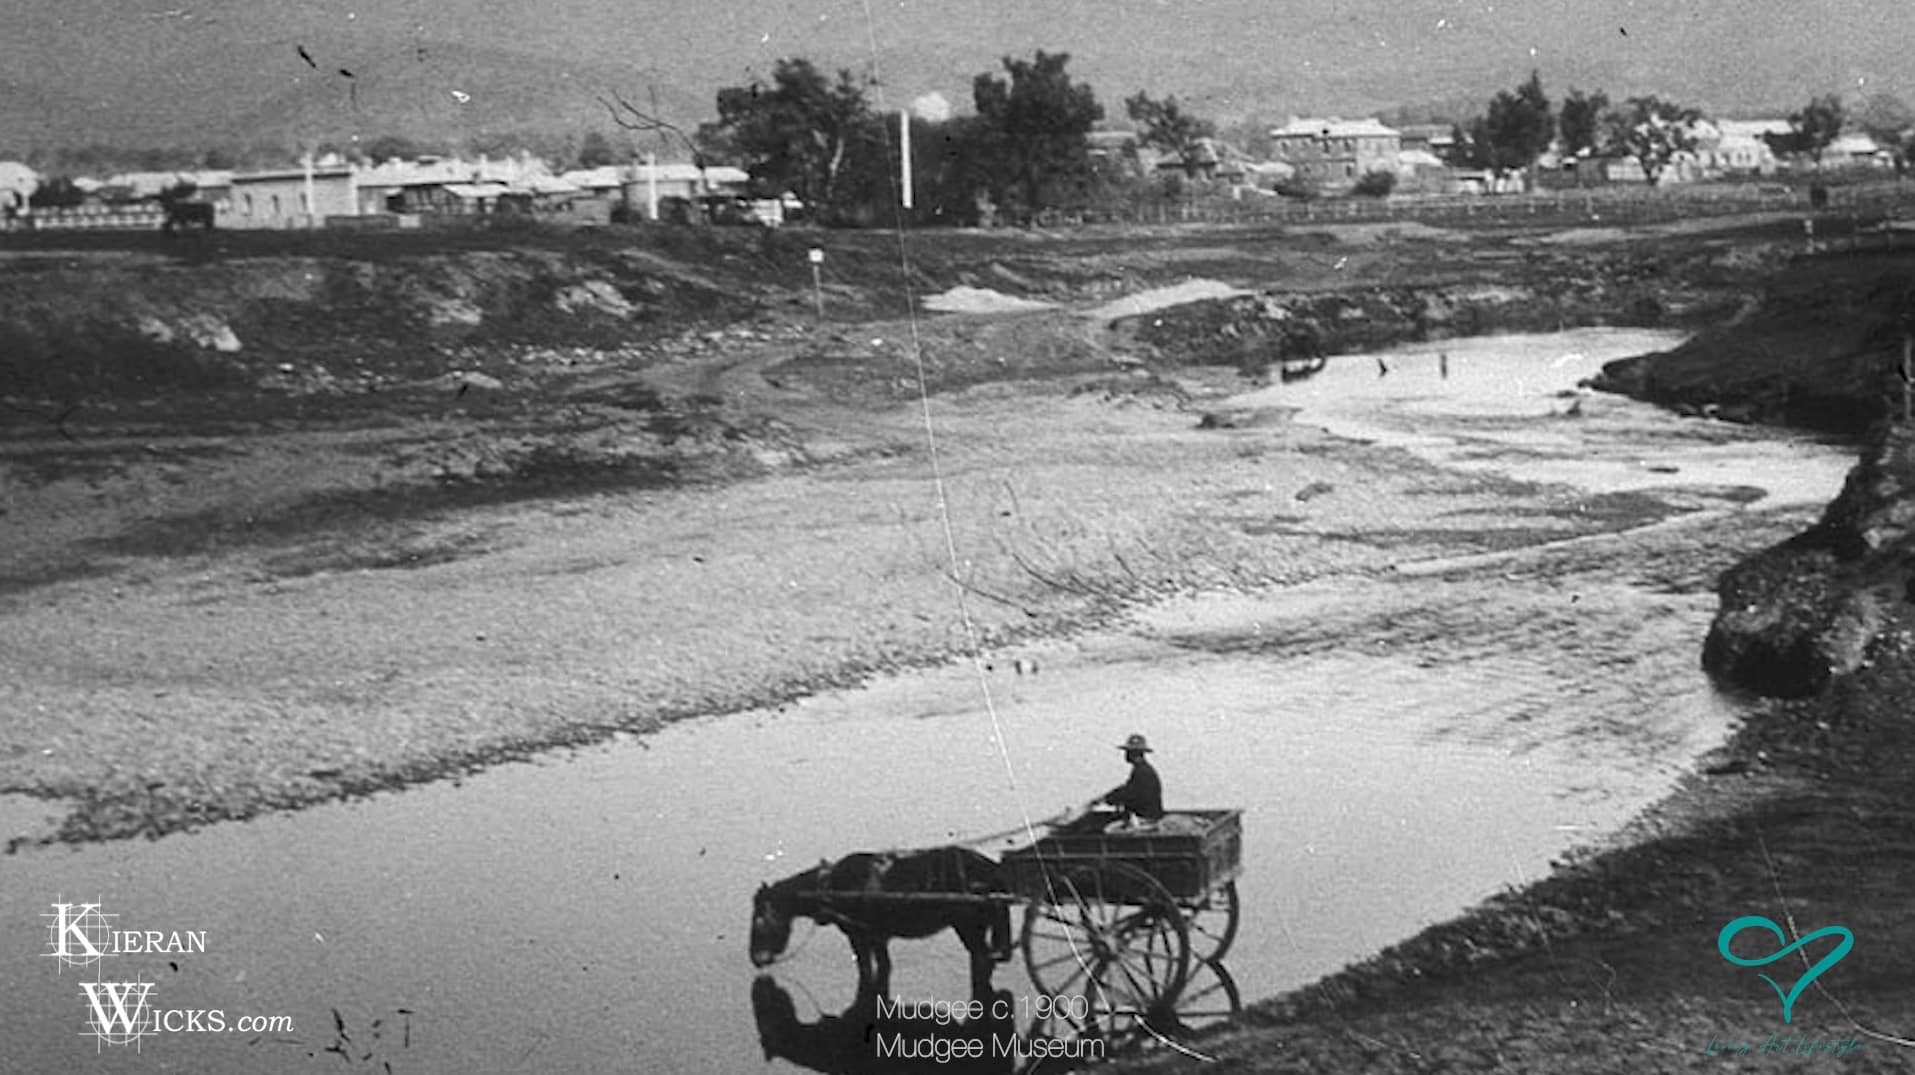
{"type": "Point", "coordinates": [1229, 58]}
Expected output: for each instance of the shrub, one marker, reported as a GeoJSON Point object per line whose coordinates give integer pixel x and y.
{"type": "Point", "coordinates": [1300, 189]}
{"type": "Point", "coordinates": [1375, 184]}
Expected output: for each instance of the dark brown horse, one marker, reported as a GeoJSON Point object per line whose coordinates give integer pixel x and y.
{"type": "Point", "coordinates": [875, 897]}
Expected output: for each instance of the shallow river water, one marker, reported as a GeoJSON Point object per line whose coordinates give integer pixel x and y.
{"type": "Point", "coordinates": [1402, 746]}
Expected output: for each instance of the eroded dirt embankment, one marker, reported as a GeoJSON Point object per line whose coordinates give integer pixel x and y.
{"type": "Point", "coordinates": [1823, 348]}
{"type": "Point", "coordinates": [1614, 962]}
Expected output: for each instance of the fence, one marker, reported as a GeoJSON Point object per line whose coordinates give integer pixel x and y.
{"type": "Point", "coordinates": [89, 218]}
{"type": "Point", "coordinates": [1596, 205]}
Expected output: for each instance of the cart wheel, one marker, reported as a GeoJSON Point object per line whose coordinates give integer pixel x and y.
{"type": "Point", "coordinates": [1213, 924]}
{"type": "Point", "coordinates": [1111, 936]}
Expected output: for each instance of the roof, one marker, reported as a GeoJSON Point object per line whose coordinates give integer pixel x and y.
{"type": "Point", "coordinates": [1854, 145]}
{"type": "Point", "coordinates": [1751, 128]}
{"type": "Point", "coordinates": [17, 176]}
{"type": "Point", "coordinates": [476, 190]}
{"type": "Point", "coordinates": [1334, 127]}
{"type": "Point", "coordinates": [601, 178]}
{"type": "Point", "coordinates": [282, 174]}
{"type": "Point", "coordinates": [1418, 158]}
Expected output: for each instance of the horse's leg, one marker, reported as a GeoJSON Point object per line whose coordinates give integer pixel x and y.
{"type": "Point", "coordinates": [977, 941]}
{"type": "Point", "coordinates": [861, 951]}
{"type": "Point", "coordinates": [881, 965]}
{"type": "Point", "coordinates": [1001, 936]}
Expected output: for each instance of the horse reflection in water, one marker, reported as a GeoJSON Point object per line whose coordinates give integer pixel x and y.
{"type": "Point", "coordinates": [875, 897]}
{"type": "Point", "coordinates": [863, 1040]}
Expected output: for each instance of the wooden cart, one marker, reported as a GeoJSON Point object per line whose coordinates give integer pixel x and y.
{"type": "Point", "coordinates": [1122, 916]}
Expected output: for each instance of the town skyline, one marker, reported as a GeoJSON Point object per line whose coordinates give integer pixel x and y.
{"type": "Point", "coordinates": [91, 71]}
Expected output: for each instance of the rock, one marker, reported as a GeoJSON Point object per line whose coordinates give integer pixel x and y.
{"type": "Point", "coordinates": [598, 295]}
{"type": "Point", "coordinates": [210, 333]}
{"type": "Point", "coordinates": [201, 330]}
{"type": "Point", "coordinates": [448, 312]}
{"type": "Point", "coordinates": [468, 379]}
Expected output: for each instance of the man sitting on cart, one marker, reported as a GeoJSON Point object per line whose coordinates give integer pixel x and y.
{"type": "Point", "coordinates": [1139, 801]}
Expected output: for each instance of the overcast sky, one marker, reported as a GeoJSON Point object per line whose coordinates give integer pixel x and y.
{"type": "Point", "coordinates": [1232, 55]}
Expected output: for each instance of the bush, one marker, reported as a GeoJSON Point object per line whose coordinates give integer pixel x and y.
{"type": "Point", "coordinates": [1375, 184]}
{"type": "Point", "coordinates": [1300, 189]}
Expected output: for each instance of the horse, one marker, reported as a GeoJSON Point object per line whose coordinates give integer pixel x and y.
{"type": "Point", "coordinates": [850, 894]}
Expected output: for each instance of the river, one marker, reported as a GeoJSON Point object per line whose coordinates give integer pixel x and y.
{"type": "Point", "coordinates": [1401, 745]}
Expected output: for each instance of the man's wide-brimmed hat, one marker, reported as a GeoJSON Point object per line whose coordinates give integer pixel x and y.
{"type": "Point", "coordinates": [1137, 743]}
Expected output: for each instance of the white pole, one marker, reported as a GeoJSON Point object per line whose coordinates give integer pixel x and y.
{"type": "Point", "coordinates": [651, 186]}
{"type": "Point", "coordinates": [312, 210]}
{"type": "Point", "coordinates": [904, 157]}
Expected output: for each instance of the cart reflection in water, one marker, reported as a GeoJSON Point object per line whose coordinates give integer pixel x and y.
{"type": "Point", "coordinates": [879, 1035]}
{"type": "Point", "coordinates": [1124, 935]}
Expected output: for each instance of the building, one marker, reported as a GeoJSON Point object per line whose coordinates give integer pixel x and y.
{"type": "Point", "coordinates": [1738, 146]}
{"type": "Point", "coordinates": [1855, 149]}
{"type": "Point", "coordinates": [17, 184]}
{"type": "Point", "coordinates": [1334, 153]}
{"type": "Point", "coordinates": [648, 184]}
{"type": "Point", "coordinates": [291, 198]}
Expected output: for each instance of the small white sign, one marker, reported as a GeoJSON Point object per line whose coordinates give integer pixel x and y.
{"type": "Point", "coordinates": [817, 256]}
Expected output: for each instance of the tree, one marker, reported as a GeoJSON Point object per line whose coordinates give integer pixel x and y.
{"type": "Point", "coordinates": [1653, 131]}
{"type": "Point", "coordinates": [1376, 184]}
{"type": "Point", "coordinates": [1466, 146]}
{"type": "Point", "coordinates": [1580, 121]}
{"type": "Point", "coordinates": [1885, 117]}
{"type": "Point", "coordinates": [1519, 126]}
{"type": "Point", "coordinates": [596, 151]}
{"type": "Point", "coordinates": [58, 192]}
{"type": "Point", "coordinates": [391, 147]}
{"type": "Point", "coordinates": [1165, 125]}
{"type": "Point", "coordinates": [1034, 132]}
{"type": "Point", "coordinates": [797, 132]}
{"type": "Point", "coordinates": [1818, 124]}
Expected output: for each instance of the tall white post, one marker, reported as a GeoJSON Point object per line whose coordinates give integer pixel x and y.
{"type": "Point", "coordinates": [904, 155]}
{"type": "Point", "coordinates": [651, 186]}
{"type": "Point", "coordinates": [312, 206]}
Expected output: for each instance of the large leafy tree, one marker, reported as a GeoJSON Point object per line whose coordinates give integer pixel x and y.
{"type": "Point", "coordinates": [1580, 121]}
{"type": "Point", "coordinates": [799, 131]}
{"type": "Point", "coordinates": [1519, 126]}
{"type": "Point", "coordinates": [1166, 126]}
{"type": "Point", "coordinates": [1033, 133]}
{"type": "Point", "coordinates": [1885, 118]}
{"type": "Point", "coordinates": [1818, 124]}
{"type": "Point", "coordinates": [1651, 130]}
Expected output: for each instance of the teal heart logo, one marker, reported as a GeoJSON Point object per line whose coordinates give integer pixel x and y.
{"type": "Point", "coordinates": [1758, 922]}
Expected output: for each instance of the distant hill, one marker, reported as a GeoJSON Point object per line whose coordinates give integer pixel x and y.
{"type": "Point", "coordinates": [30, 115]}
{"type": "Point", "coordinates": [431, 91]}
{"type": "Point", "coordinates": [228, 72]}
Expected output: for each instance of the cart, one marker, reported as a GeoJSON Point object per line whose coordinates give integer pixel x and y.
{"type": "Point", "coordinates": [1121, 917]}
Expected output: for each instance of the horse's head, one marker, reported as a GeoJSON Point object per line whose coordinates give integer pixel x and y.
{"type": "Point", "coordinates": [770, 926]}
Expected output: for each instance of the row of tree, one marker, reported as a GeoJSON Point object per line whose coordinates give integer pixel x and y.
{"type": "Point", "coordinates": [1520, 125]}
{"type": "Point", "coordinates": [1024, 149]}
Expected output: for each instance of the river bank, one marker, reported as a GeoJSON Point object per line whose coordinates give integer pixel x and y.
{"type": "Point", "coordinates": [370, 540]}
{"type": "Point", "coordinates": [212, 612]}
{"type": "Point", "coordinates": [1447, 695]}
{"type": "Point", "coordinates": [1616, 961]}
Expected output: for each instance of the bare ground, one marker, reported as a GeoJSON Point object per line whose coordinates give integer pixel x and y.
{"type": "Point", "coordinates": [269, 606]}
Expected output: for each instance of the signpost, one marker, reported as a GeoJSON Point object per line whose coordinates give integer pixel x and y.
{"type": "Point", "coordinates": [817, 257]}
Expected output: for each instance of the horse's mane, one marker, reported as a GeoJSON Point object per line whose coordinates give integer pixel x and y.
{"type": "Point", "coordinates": [948, 868]}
